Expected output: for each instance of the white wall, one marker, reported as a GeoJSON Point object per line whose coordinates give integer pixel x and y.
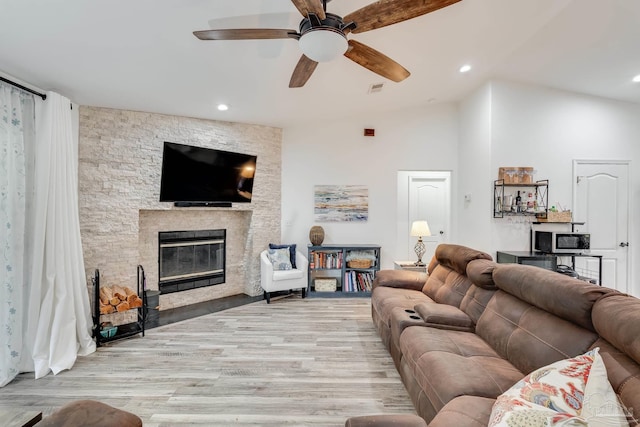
{"type": "Point", "coordinates": [548, 129]}
{"type": "Point", "coordinates": [511, 124]}
{"type": "Point", "coordinates": [500, 124]}
{"type": "Point", "coordinates": [475, 178]}
{"type": "Point", "coordinates": [338, 153]}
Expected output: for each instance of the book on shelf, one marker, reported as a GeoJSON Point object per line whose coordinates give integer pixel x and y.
{"type": "Point", "coordinates": [326, 260]}
{"type": "Point", "coordinates": [356, 281]}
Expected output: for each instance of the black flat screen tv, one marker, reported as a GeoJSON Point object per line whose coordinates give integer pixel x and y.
{"type": "Point", "coordinates": [195, 174]}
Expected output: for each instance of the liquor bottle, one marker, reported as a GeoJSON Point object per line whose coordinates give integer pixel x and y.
{"type": "Point", "coordinates": [518, 203]}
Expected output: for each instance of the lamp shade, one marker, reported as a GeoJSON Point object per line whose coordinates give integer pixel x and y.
{"type": "Point", "coordinates": [420, 229]}
{"type": "Point", "coordinates": [323, 44]}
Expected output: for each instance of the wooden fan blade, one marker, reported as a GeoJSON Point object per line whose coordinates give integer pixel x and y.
{"type": "Point", "coordinates": [375, 61]}
{"type": "Point", "coordinates": [246, 34]}
{"type": "Point", "coordinates": [310, 6]}
{"type": "Point", "coordinates": [302, 72]}
{"type": "Point", "coordinates": [388, 12]}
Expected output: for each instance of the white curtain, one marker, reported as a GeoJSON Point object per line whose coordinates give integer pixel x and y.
{"type": "Point", "coordinates": [16, 131]}
{"type": "Point", "coordinates": [59, 314]}
{"type": "Point", "coordinates": [45, 316]}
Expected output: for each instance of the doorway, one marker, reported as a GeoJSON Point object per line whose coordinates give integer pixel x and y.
{"type": "Point", "coordinates": [423, 195]}
{"type": "Point", "coordinates": [601, 201]}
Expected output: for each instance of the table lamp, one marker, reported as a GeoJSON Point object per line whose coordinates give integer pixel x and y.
{"type": "Point", "coordinates": [420, 229]}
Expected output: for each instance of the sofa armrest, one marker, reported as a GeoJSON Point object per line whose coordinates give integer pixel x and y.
{"type": "Point", "coordinates": [301, 261]}
{"type": "Point", "coordinates": [400, 279]}
{"type": "Point", "coordinates": [386, 420]}
{"type": "Point", "coordinates": [444, 316]}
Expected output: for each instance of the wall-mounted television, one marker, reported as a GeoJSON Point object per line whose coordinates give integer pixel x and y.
{"type": "Point", "coordinates": [196, 175]}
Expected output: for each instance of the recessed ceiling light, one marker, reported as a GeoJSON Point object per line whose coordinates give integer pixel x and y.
{"type": "Point", "coordinates": [636, 79]}
{"type": "Point", "coordinates": [465, 68]}
{"type": "Point", "coordinates": [223, 107]}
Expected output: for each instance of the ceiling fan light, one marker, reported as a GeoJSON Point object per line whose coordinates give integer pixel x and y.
{"type": "Point", "coordinates": [323, 44]}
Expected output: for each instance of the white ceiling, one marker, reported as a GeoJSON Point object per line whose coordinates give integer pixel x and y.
{"type": "Point", "coordinates": [142, 55]}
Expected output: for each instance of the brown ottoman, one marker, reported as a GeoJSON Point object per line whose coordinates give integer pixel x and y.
{"type": "Point", "coordinates": [386, 420]}
{"type": "Point", "coordinates": [89, 413]}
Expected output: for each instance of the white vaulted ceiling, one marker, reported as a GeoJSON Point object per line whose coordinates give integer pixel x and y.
{"type": "Point", "coordinates": [142, 55]}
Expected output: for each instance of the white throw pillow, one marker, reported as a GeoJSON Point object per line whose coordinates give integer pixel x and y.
{"type": "Point", "coordinates": [568, 393]}
{"type": "Point", "coordinates": [601, 407]}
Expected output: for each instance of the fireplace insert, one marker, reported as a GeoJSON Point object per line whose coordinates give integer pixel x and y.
{"type": "Point", "coordinates": [191, 259]}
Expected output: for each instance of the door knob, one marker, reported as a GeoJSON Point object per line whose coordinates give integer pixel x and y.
{"type": "Point", "coordinates": [441, 232]}
{"type": "Point", "coordinates": [624, 244]}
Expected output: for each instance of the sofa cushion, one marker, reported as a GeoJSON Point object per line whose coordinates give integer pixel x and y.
{"type": "Point", "coordinates": [432, 264]}
{"type": "Point", "coordinates": [446, 286]}
{"type": "Point", "coordinates": [527, 336]}
{"type": "Point", "coordinates": [617, 319]}
{"type": "Point", "coordinates": [457, 257]}
{"type": "Point", "coordinates": [443, 315]}
{"type": "Point", "coordinates": [468, 411]}
{"type": "Point", "coordinates": [572, 299]}
{"type": "Point", "coordinates": [447, 364]}
{"type": "Point", "coordinates": [405, 279]}
{"type": "Point", "coordinates": [475, 302]}
{"type": "Point", "coordinates": [624, 376]}
{"type": "Point", "coordinates": [480, 272]}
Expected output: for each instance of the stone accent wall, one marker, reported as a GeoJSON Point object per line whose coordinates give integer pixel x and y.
{"type": "Point", "coordinates": [120, 160]}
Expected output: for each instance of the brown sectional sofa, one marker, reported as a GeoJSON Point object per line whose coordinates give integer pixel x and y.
{"type": "Point", "coordinates": [470, 329]}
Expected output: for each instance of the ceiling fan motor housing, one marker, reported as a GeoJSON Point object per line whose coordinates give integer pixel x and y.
{"type": "Point", "coordinates": [322, 40]}
{"type": "Point", "coordinates": [332, 21]}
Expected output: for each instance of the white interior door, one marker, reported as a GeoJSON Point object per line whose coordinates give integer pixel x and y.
{"type": "Point", "coordinates": [601, 201]}
{"type": "Point", "coordinates": [423, 195]}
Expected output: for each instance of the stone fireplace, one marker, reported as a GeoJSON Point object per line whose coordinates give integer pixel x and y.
{"type": "Point", "coordinates": [198, 225]}
{"type": "Point", "coordinates": [120, 159]}
{"type": "Point", "coordinates": [190, 259]}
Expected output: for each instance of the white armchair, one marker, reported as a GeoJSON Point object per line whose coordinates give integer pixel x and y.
{"type": "Point", "coordinates": [283, 280]}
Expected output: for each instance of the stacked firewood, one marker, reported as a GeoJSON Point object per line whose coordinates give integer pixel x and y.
{"type": "Point", "coordinates": [118, 298]}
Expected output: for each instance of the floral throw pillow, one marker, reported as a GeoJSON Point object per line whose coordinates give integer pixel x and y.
{"type": "Point", "coordinates": [292, 251]}
{"type": "Point", "coordinates": [279, 258]}
{"type": "Point", "coordinates": [567, 393]}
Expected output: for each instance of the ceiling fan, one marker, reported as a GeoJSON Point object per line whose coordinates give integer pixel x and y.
{"type": "Point", "coordinates": [322, 36]}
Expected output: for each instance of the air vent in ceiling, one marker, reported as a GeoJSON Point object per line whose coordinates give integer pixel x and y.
{"type": "Point", "coordinates": [376, 87]}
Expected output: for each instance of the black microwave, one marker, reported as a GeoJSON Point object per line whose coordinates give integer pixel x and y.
{"type": "Point", "coordinates": [561, 242]}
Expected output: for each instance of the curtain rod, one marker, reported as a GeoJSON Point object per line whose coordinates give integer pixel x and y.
{"type": "Point", "coordinates": [41, 95]}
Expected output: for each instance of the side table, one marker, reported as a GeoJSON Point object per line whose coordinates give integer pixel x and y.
{"type": "Point", "coordinates": [409, 265]}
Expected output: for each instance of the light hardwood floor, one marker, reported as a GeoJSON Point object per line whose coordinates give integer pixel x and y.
{"type": "Point", "coordinates": [303, 362]}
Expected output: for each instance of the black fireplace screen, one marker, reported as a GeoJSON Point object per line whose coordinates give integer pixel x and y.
{"type": "Point", "coordinates": [191, 259]}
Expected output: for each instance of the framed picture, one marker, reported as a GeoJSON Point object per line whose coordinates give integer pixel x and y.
{"type": "Point", "coordinates": [338, 203]}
